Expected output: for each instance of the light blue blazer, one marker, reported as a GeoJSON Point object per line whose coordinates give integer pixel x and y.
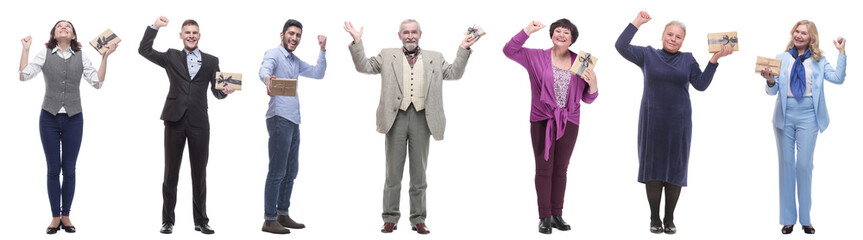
{"type": "Point", "coordinates": [821, 70]}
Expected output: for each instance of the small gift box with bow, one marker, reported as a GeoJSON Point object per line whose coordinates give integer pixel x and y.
{"type": "Point", "coordinates": [235, 80]}
{"type": "Point", "coordinates": [766, 62]}
{"type": "Point", "coordinates": [474, 32]}
{"type": "Point", "coordinates": [101, 42]}
{"type": "Point", "coordinates": [583, 61]}
{"type": "Point", "coordinates": [716, 40]}
{"type": "Point", "coordinates": [284, 87]}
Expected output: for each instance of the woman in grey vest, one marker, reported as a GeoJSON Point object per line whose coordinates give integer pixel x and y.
{"type": "Point", "coordinates": [63, 65]}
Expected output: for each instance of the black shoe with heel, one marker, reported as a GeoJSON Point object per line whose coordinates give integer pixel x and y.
{"type": "Point", "coordinates": [53, 230]}
{"type": "Point", "coordinates": [787, 229]}
{"type": "Point", "coordinates": [809, 229]}
{"type": "Point", "coordinates": [669, 227]}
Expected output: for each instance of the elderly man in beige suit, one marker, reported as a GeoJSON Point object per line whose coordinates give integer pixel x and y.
{"type": "Point", "coordinates": [410, 110]}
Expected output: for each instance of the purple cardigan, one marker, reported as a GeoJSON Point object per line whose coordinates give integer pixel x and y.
{"type": "Point", "coordinates": [543, 104]}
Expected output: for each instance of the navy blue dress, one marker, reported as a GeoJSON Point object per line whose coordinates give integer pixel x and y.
{"type": "Point", "coordinates": [665, 119]}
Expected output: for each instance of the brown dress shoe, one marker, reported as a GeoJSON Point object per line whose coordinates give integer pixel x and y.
{"type": "Point", "coordinates": [286, 221]}
{"type": "Point", "coordinates": [272, 226]}
{"type": "Point", "coordinates": [388, 227]}
{"type": "Point", "coordinates": [421, 228]}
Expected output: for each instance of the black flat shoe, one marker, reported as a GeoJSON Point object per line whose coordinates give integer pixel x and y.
{"type": "Point", "coordinates": [670, 228]}
{"type": "Point", "coordinates": [204, 228]}
{"type": "Point", "coordinates": [167, 228]}
{"type": "Point", "coordinates": [656, 226]}
{"type": "Point", "coordinates": [559, 223]}
{"type": "Point", "coordinates": [545, 225]}
{"type": "Point", "coordinates": [809, 229]}
{"type": "Point", "coordinates": [787, 229]}
{"type": "Point", "coordinates": [68, 229]}
{"type": "Point", "coordinates": [52, 230]}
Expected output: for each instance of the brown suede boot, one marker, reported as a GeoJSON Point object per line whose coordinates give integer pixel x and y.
{"type": "Point", "coordinates": [272, 226]}
{"type": "Point", "coordinates": [286, 221]}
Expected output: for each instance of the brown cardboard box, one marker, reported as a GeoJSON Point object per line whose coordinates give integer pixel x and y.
{"type": "Point", "coordinates": [579, 65]}
{"type": "Point", "coordinates": [716, 40]}
{"type": "Point", "coordinates": [235, 80]}
{"type": "Point", "coordinates": [284, 87]}
{"type": "Point", "coordinates": [766, 62]}
{"type": "Point", "coordinates": [101, 42]}
{"type": "Point", "coordinates": [474, 32]}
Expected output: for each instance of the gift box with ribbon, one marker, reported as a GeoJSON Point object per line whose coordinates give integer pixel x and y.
{"type": "Point", "coordinates": [101, 42]}
{"type": "Point", "coordinates": [766, 62]}
{"type": "Point", "coordinates": [715, 41]}
{"type": "Point", "coordinates": [284, 87]}
{"type": "Point", "coordinates": [235, 80]}
{"type": "Point", "coordinates": [583, 61]}
{"type": "Point", "coordinates": [474, 32]}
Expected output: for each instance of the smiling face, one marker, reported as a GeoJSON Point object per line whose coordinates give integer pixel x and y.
{"type": "Point", "coordinates": [672, 38]}
{"type": "Point", "coordinates": [410, 35]}
{"type": "Point", "coordinates": [190, 37]}
{"type": "Point", "coordinates": [63, 32]}
{"type": "Point", "coordinates": [291, 38]}
{"type": "Point", "coordinates": [561, 37]}
{"type": "Point", "coordinates": [800, 37]}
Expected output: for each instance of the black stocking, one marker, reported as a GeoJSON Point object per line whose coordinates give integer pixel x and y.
{"type": "Point", "coordinates": [654, 195]}
{"type": "Point", "coordinates": [672, 193]}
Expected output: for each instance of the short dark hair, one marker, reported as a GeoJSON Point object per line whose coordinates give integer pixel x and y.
{"type": "Point", "coordinates": [565, 23]}
{"type": "Point", "coordinates": [189, 22]}
{"type": "Point", "coordinates": [52, 43]}
{"type": "Point", "coordinates": [292, 22]}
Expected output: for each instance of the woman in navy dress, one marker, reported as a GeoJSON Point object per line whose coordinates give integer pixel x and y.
{"type": "Point", "coordinates": [665, 119]}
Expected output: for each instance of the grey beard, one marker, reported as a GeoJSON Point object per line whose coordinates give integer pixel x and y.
{"type": "Point", "coordinates": [410, 46]}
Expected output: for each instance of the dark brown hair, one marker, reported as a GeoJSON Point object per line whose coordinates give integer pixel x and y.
{"type": "Point", "coordinates": [52, 43]}
{"type": "Point", "coordinates": [565, 23]}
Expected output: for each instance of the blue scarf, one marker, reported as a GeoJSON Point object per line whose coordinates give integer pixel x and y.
{"type": "Point", "coordinates": [798, 73]}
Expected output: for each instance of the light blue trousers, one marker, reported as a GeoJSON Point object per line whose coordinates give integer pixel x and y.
{"type": "Point", "coordinates": [799, 133]}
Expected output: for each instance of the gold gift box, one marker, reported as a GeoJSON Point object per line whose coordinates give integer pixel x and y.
{"type": "Point", "coordinates": [474, 32]}
{"type": "Point", "coordinates": [101, 41]}
{"type": "Point", "coordinates": [584, 60]}
{"type": "Point", "coordinates": [283, 87]}
{"type": "Point", "coordinates": [766, 62]}
{"type": "Point", "coordinates": [716, 40]}
{"type": "Point", "coordinates": [235, 80]}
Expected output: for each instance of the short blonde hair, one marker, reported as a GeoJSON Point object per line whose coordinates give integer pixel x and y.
{"type": "Point", "coordinates": [813, 39]}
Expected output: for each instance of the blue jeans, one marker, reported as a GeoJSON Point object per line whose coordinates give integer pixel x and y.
{"type": "Point", "coordinates": [799, 133]}
{"type": "Point", "coordinates": [61, 132]}
{"type": "Point", "coordinates": [284, 146]}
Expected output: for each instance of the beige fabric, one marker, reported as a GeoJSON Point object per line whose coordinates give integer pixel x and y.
{"type": "Point", "coordinates": [415, 84]}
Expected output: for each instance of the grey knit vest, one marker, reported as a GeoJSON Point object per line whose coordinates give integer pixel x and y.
{"type": "Point", "coordinates": [62, 81]}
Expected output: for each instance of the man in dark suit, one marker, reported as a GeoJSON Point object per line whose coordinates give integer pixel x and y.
{"type": "Point", "coordinates": [191, 72]}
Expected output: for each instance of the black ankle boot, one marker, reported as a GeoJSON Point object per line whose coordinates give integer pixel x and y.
{"type": "Point", "coordinates": [559, 223]}
{"type": "Point", "coordinates": [545, 225]}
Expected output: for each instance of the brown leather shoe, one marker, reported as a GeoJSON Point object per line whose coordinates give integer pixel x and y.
{"type": "Point", "coordinates": [388, 227]}
{"type": "Point", "coordinates": [421, 228]}
{"type": "Point", "coordinates": [272, 226]}
{"type": "Point", "coordinates": [290, 223]}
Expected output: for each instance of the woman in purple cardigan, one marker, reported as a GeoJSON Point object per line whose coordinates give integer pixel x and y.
{"type": "Point", "coordinates": [556, 97]}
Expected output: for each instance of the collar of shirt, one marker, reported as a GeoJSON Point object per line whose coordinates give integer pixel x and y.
{"type": "Point", "coordinates": [196, 52]}
{"type": "Point", "coordinates": [412, 56]}
{"type": "Point", "coordinates": [285, 52]}
{"type": "Point", "coordinates": [68, 51]}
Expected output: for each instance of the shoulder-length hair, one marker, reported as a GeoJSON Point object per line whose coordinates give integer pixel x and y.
{"type": "Point", "coordinates": [52, 43]}
{"type": "Point", "coordinates": [813, 39]}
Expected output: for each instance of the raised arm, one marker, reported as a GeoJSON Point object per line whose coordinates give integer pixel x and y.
{"type": "Point", "coordinates": [514, 49]}
{"type": "Point", "coordinates": [146, 47]}
{"type": "Point", "coordinates": [634, 54]}
{"type": "Point", "coordinates": [837, 76]}
{"type": "Point", "coordinates": [320, 68]}
{"type": "Point", "coordinates": [25, 55]}
{"type": "Point", "coordinates": [358, 53]}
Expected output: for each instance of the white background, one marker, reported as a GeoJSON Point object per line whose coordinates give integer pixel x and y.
{"type": "Point", "coordinates": [480, 177]}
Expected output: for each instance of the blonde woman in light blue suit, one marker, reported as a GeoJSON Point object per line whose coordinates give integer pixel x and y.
{"type": "Point", "coordinates": [800, 114]}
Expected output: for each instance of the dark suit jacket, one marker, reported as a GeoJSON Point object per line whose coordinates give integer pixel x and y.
{"type": "Point", "coordinates": [186, 96]}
